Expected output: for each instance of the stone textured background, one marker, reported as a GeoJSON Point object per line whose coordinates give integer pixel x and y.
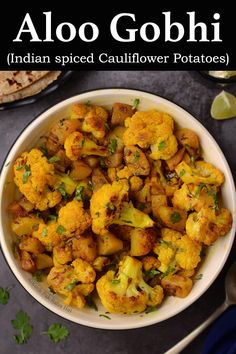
{"type": "Point", "coordinates": [195, 94]}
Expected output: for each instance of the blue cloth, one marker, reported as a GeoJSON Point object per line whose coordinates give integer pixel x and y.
{"type": "Point", "coordinates": [221, 338]}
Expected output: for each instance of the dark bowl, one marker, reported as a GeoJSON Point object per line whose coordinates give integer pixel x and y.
{"type": "Point", "coordinates": [218, 80]}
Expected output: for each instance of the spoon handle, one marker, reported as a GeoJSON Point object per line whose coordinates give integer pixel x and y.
{"type": "Point", "coordinates": [191, 336]}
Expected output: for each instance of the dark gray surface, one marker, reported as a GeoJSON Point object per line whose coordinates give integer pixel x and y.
{"type": "Point", "coordinates": [193, 93]}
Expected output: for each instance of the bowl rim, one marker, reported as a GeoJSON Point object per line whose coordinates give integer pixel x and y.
{"type": "Point", "coordinates": [151, 320]}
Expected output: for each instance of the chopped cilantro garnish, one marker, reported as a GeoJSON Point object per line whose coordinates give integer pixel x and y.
{"type": "Point", "coordinates": [91, 303]}
{"type": "Point", "coordinates": [136, 157]}
{"type": "Point", "coordinates": [44, 232]}
{"type": "Point", "coordinates": [151, 273]}
{"type": "Point", "coordinates": [162, 145]}
{"type": "Point", "coordinates": [150, 309]}
{"type": "Point", "coordinates": [182, 172]}
{"type": "Point", "coordinates": [199, 188]}
{"type": "Point", "coordinates": [198, 277]}
{"type": "Point", "coordinates": [38, 275]}
{"type": "Point", "coordinates": [115, 281]}
{"type": "Point", "coordinates": [54, 159]}
{"type": "Point", "coordinates": [136, 103]}
{"type": "Point", "coordinates": [71, 285]}
{"type": "Point", "coordinates": [215, 197]}
{"type": "Point", "coordinates": [102, 315]}
{"type": "Point", "coordinates": [62, 189]}
{"type": "Point", "coordinates": [79, 193]}
{"type": "Point", "coordinates": [175, 217]}
{"type": "Point", "coordinates": [60, 229]}
{"type": "Point", "coordinates": [112, 146]}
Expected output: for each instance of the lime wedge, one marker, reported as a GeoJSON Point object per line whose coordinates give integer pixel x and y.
{"type": "Point", "coordinates": [223, 106]}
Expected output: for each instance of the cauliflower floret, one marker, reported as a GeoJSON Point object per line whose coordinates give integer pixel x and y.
{"type": "Point", "coordinates": [73, 218]}
{"type": "Point", "coordinates": [106, 204]}
{"type": "Point", "coordinates": [144, 128]}
{"type": "Point", "coordinates": [48, 235]}
{"type": "Point", "coordinates": [94, 118]}
{"type": "Point", "coordinates": [192, 197]}
{"type": "Point", "coordinates": [188, 254]}
{"type": "Point", "coordinates": [164, 148]}
{"type": "Point", "coordinates": [207, 225]}
{"type": "Point", "coordinates": [166, 249]}
{"type": "Point", "coordinates": [127, 292]}
{"type": "Point", "coordinates": [35, 178]}
{"type": "Point", "coordinates": [202, 172]}
{"type": "Point", "coordinates": [76, 145]}
{"type": "Point", "coordinates": [64, 279]}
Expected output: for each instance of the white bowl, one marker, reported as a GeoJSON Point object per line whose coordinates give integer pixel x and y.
{"type": "Point", "coordinates": [211, 266]}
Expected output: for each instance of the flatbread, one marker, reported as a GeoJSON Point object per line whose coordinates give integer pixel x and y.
{"type": "Point", "coordinates": [12, 81]}
{"type": "Point", "coordinates": [30, 89]}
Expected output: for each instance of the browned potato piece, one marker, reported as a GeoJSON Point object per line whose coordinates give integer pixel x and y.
{"type": "Point", "coordinates": [80, 170]}
{"type": "Point", "coordinates": [26, 205]}
{"type": "Point", "coordinates": [150, 262]}
{"type": "Point", "coordinates": [98, 179]}
{"type": "Point", "coordinates": [141, 241]}
{"type": "Point", "coordinates": [108, 244]}
{"type": "Point", "coordinates": [176, 159]}
{"type": "Point", "coordinates": [187, 138]}
{"type": "Point", "coordinates": [156, 202]}
{"type": "Point", "coordinates": [62, 254]}
{"type": "Point", "coordinates": [16, 209]}
{"type": "Point", "coordinates": [43, 261]}
{"type": "Point", "coordinates": [27, 262]}
{"type": "Point", "coordinates": [84, 247]}
{"type": "Point", "coordinates": [177, 285]}
{"type": "Point", "coordinates": [122, 231]}
{"type": "Point", "coordinates": [25, 225]}
{"type": "Point", "coordinates": [136, 160]}
{"type": "Point", "coordinates": [59, 132]}
{"type": "Point", "coordinates": [114, 160]}
{"type": "Point", "coordinates": [120, 111]}
{"type": "Point", "coordinates": [136, 183]}
{"type": "Point", "coordinates": [92, 161]}
{"type": "Point", "coordinates": [172, 217]}
{"type": "Point", "coordinates": [32, 245]}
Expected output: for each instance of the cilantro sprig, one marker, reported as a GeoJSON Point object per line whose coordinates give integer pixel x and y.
{"type": "Point", "coordinates": [57, 332]}
{"type": "Point", "coordinates": [4, 295]}
{"type": "Point", "coordinates": [23, 325]}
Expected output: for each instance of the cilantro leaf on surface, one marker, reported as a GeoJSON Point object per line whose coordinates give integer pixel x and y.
{"type": "Point", "coordinates": [57, 332]}
{"type": "Point", "coordinates": [4, 296]}
{"type": "Point", "coordinates": [22, 324]}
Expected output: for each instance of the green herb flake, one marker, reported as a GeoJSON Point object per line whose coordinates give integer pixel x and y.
{"type": "Point", "coordinates": [170, 270]}
{"type": "Point", "coordinates": [20, 167]}
{"type": "Point", "coordinates": [102, 315]}
{"type": "Point", "coordinates": [175, 217]}
{"type": "Point", "coordinates": [71, 285]}
{"type": "Point", "coordinates": [38, 275]}
{"type": "Point", "coordinates": [107, 127]}
{"type": "Point", "coordinates": [62, 190]}
{"type": "Point", "coordinates": [182, 172]}
{"type": "Point", "coordinates": [102, 162]}
{"type": "Point", "coordinates": [215, 197]}
{"type": "Point", "coordinates": [60, 230]}
{"type": "Point", "coordinates": [112, 146]}
{"type": "Point", "coordinates": [127, 221]}
{"type": "Point", "coordinates": [4, 296]}
{"type": "Point", "coordinates": [79, 193]}
{"type": "Point", "coordinates": [91, 303]}
{"type": "Point", "coordinates": [57, 332]}
{"type": "Point", "coordinates": [54, 159]}
{"type": "Point", "coordinates": [44, 150]}
{"type": "Point", "coordinates": [7, 164]}
{"type": "Point", "coordinates": [198, 277]}
{"type": "Point", "coordinates": [150, 309]}
{"type": "Point", "coordinates": [115, 281]}
{"type": "Point", "coordinates": [22, 323]}
{"type": "Point", "coordinates": [151, 273]}
{"type": "Point", "coordinates": [200, 188]}
{"type": "Point", "coordinates": [166, 243]}
{"type": "Point", "coordinates": [136, 157]}
{"type": "Point", "coordinates": [136, 103]}
{"type": "Point", "coordinates": [88, 103]}
{"type": "Point", "coordinates": [44, 232]}
{"type": "Point", "coordinates": [162, 145]}
{"type": "Point", "coordinates": [52, 217]}
{"type": "Point", "coordinates": [111, 206]}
